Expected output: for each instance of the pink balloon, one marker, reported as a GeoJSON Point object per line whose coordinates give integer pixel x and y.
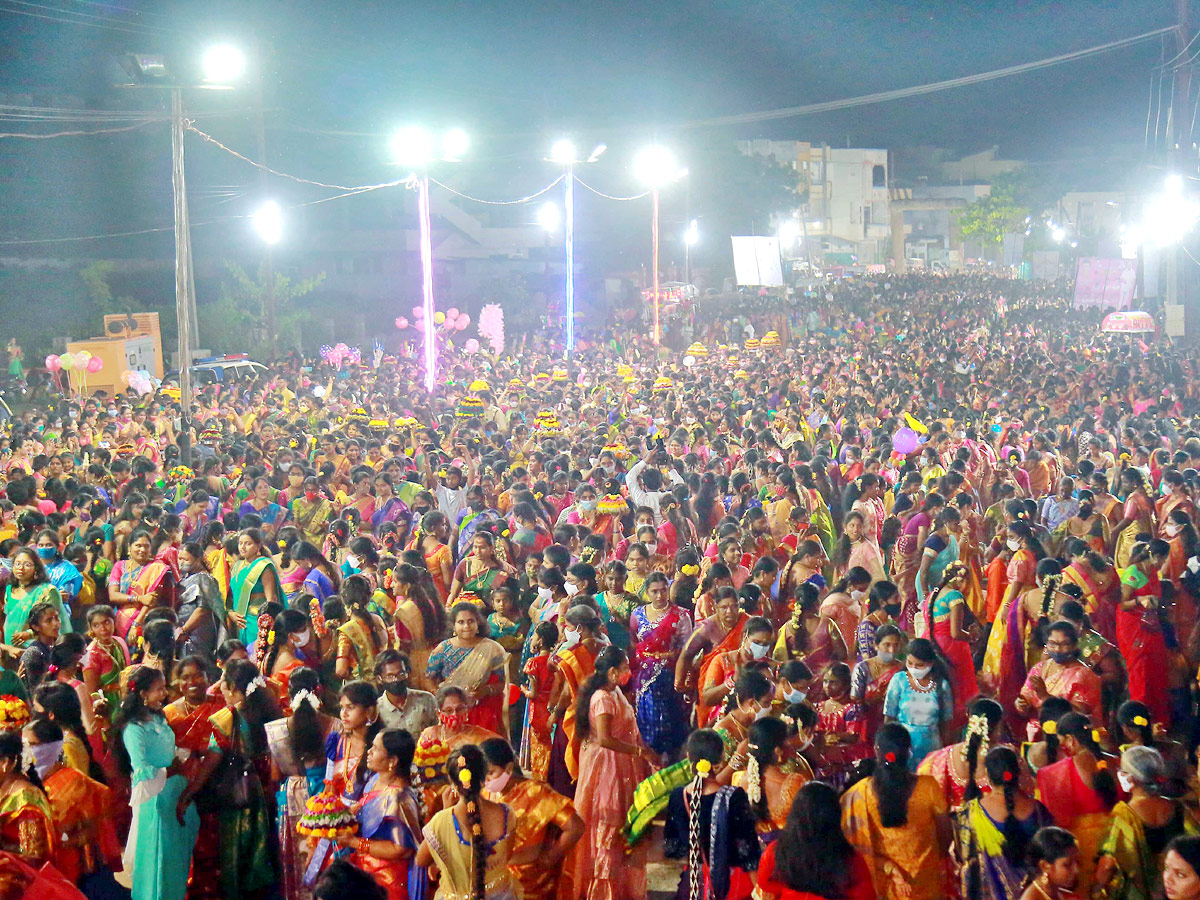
{"type": "Point", "coordinates": [418, 312]}
{"type": "Point", "coordinates": [419, 324]}
{"type": "Point", "coordinates": [452, 312]}
{"type": "Point", "coordinates": [463, 321]}
{"type": "Point", "coordinates": [471, 346]}
{"type": "Point", "coordinates": [402, 322]}
{"type": "Point", "coordinates": [53, 364]}
{"type": "Point", "coordinates": [95, 364]}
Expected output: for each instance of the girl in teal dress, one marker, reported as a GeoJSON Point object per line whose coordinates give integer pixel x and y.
{"type": "Point", "coordinates": [159, 850]}
{"type": "Point", "coordinates": [254, 584]}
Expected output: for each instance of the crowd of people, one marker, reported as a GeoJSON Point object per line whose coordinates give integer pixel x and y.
{"type": "Point", "coordinates": [898, 599]}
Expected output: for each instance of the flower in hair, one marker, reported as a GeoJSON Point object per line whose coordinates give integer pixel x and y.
{"type": "Point", "coordinates": [282, 545]}
{"type": "Point", "coordinates": [704, 767]}
{"type": "Point", "coordinates": [464, 777]}
{"type": "Point", "coordinates": [1008, 776]}
{"type": "Point", "coordinates": [1141, 721]}
{"type": "Point", "coordinates": [1096, 735]}
{"type": "Point", "coordinates": [889, 757]}
{"type": "Point", "coordinates": [305, 696]}
{"type": "Point", "coordinates": [690, 569]}
{"type": "Point", "coordinates": [1050, 728]}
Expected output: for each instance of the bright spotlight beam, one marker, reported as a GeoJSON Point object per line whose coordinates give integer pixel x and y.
{"type": "Point", "coordinates": [223, 64]}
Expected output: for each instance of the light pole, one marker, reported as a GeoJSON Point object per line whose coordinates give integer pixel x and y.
{"type": "Point", "coordinates": [656, 167]}
{"type": "Point", "coordinates": [268, 222]}
{"type": "Point", "coordinates": [221, 66]}
{"type": "Point", "coordinates": [563, 153]}
{"type": "Point", "coordinates": [690, 237]}
{"type": "Point", "coordinates": [414, 147]}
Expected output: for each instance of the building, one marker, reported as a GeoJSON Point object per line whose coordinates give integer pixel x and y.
{"type": "Point", "coordinates": [846, 219]}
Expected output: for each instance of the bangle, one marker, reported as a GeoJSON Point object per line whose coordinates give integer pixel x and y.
{"type": "Point", "coordinates": [364, 847]}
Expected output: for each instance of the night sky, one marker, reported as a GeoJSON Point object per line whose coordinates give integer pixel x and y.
{"type": "Point", "coordinates": [517, 75]}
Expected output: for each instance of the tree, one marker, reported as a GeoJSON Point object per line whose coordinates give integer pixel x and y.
{"type": "Point", "coordinates": [239, 316]}
{"type": "Point", "coordinates": [734, 193]}
{"type": "Point", "coordinates": [95, 276]}
{"type": "Point", "coordinates": [1003, 210]}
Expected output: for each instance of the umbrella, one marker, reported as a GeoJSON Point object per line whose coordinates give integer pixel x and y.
{"type": "Point", "coordinates": [1132, 322]}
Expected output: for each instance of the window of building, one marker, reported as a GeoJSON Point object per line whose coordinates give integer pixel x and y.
{"type": "Point", "coordinates": [878, 176]}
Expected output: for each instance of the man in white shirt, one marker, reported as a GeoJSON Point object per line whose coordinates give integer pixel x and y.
{"type": "Point", "coordinates": [645, 485]}
{"type": "Point", "coordinates": [399, 705]}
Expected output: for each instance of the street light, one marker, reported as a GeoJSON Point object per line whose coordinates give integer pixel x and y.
{"type": "Point", "coordinates": [415, 148]}
{"type": "Point", "coordinates": [268, 222]}
{"type": "Point", "coordinates": [563, 153]}
{"type": "Point", "coordinates": [789, 232]}
{"type": "Point", "coordinates": [656, 167]}
{"type": "Point", "coordinates": [549, 217]}
{"type": "Point", "coordinates": [690, 237]}
{"type": "Point", "coordinates": [222, 65]}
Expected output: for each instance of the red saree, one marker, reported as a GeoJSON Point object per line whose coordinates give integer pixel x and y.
{"type": "Point", "coordinates": [731, 641]}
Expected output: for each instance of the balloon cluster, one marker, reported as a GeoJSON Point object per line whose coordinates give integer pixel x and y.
{"type": "Point", "coordinates": [82, 362]}
{"type": "Point", "coordinates": [446, 322]}
{"type": "Point", "coordinates": [340, 353]}
{"type": "Point", "coordinates": [138, 379]}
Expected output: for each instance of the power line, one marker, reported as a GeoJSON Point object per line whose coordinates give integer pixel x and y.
{"type": "Point", "coordinates": [58, 134]}
{"type": "Point", "coordinates": [918, 90]}
{"type": "Point", "coordinates": [83, 15]}
{"type": "Point", "coordinates": [516, 202]}
{"type": "Point", "coordinates": [584, 184]}
{"type": "Point", "coordinates": [136, 12]}
{"type": "Point", "coordinates": [139, 30]}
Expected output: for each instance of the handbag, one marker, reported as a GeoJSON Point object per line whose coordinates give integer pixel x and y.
{"type": "Point", "coordinates": [235, 784]}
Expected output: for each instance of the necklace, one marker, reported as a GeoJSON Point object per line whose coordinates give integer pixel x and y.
{"type": "Point", "coordinates": [917, 687]}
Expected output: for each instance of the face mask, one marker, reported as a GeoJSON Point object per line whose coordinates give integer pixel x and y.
{"type": "Point", "coordinates": [46, 755]}
{"type": "Point", "coordinates": [795, 696]}
{"type": "Point", "coordinates": [762, 713]}
{"type": "Point", "coordinates": [453, 721]}
{"type": "Point", "coordinates": [310, 496]}
{"type": "Point", "coordinates": [758, 651]}
{"type": "Point", "coordinates": [920, 673]}
{"type": "Point", "coordinates": [498, 784]}
{"type": "Point", "coordinates": [571, 589]}
{"type": "Point", "coordinates": [589, 505]}
{"type": "Point", "coordinates": [885, 656]}
{"type": "Point", "coordinates": [1125, 780]}
{"type": "Point", "coordinates": [608, 470]}
{"type": "Point", "coordinates": [352, 561]}
{"type": "Point", "coordinates": [1063, 657]}
{"type": "Point", "coordinates": [47, 553]}
{"type": "Point", "coordinates": [1171, 529]}
{"type": "Point", "coordinates": [395, 686]}
{"type": "Point", "coordinates": [1085, 511]}
{"type": "Point", "coordinates": [570, 638]}
{"type": "Point", "coordinates": [1013, 545]}
{"type": "Point", "coordinates": [73, 414]}
{"type": "Point", "coordinates": [544, 593]}
{"type": "Point", "coordinates": [652, 547]}
{"type": "Point", "coordinates": [855, 595]}
{"type": "Point", "coordinates": [892, 610]}
{"type": "Point", "coordinates": [303, 637]}
{"type": "Point", "coordinates": [779, 490]}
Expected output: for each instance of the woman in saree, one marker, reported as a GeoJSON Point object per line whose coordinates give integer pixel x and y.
{"type": "Point", "coordinates": [474, 662]}
{"type": "Point", "coordinates": [899, 823]}
{"type": "Point", "coordinates": [717, 635]}
{"type": "Point", "coordinates": [363, 636]}
{"type": "Point", "coordinates": [312, 512]}
{"type": "Point", "coordinates": [432, 538]}
{"type": "Point", "coordinates": [993, 831]}
{"type": "Point", "coordinates": [27, 825]}
{"type": "Point", "coordinates": [389, 818]}
{"type": "Point", "coordinates": [1099, 583]}
{"type": "Point", "coordinates": [106, 657]}
{"type": "Point", "coordinates": [660, 629]}
{"type": "Point", "coordinates": [189, 720]}
{"type": "Point", "coordinates": [28, 587]}
{"type": "Point", "coordinates": [479, 571]}
{"type": "Point", "coordinates": [201, 611]}
{"type": "Point", "coordinates": [317, 576]}
{"type": "Point", "coordinates": [970, 554]}
{"type": "Point", "coordinates": [941, 549]}
{"type": "Point", "coordinates": [1177, 497]}
{"type": "Point", "coordinates": [869, 679]}
{"type": "Point", "coordinates": [289, 646]}
{"type": "Point", "coordinates": [297, 748]}
{"type": "Point", "coordinates": [422, 616]}
{"type": "Point", "coordinates": [1003, 669]}
{"type": "Point", "coordinates": [869, 504]}
{"type": "Point", "coordinates": [908, 556]}
{"type": "Point", "coordinates": [812, 637]}
{"type": "Point", "coordinates": [546, 826]}
{"type": "Point", "coordinates": [616, 604]}
{"type": "Point", "coordinates": [388, 507]}
{"type": "Point", "coordinates": [959, 768]}
{"type": "Point", "coordinates": [1139, 628]}
{"type": "Point", "coordinates": [769, 787]}
{"type": "Point", "coordinates": [571, 666]}
{"type": "Point", "coordinates": [856, 550]}
{"type": "Point", "coordinates": [217, 557]}
{"type": "Point", "coordinates": [1079, 790]}
{"type": "Point", "coordinates": [1061, 673]}
{"type": "Point", "coordinates": [951, 626]}
{"type": "Point", "coordinates": [1087, 525]}
{"type": "Point", "coordinates": [362, 501]}
{"type": "Point", "coordinates": [260, 504]}
{"type": "Point", "coordinates": [158, 852]}
{"type": "Point", "coordinates": [247, 861]}
{"type": "Point", "coordinates": [845, 603]}
{"type": "Point", "coordinates": [1142, 826]}
{"type": "Point", "coordinates": [254, 584]}
{"type": "Point", "coordinates": [758, 637]}
{"type": "Point", "coordinates": [1180, 535]}
{"type": "Point", "coordinates": [1137, 516]}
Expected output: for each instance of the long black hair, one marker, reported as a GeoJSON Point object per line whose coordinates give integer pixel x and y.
{"type": "Point", "coordinates": [983, 717]}
{"type": "Point", "coordinates": [1078, 726]}
{"type": "Point", "coordinates": [608, 659]}
{"type": "Point", "coordinates": [1053, 709]}
{"type": "Point", "coordinates": [467, 767]}
{"type": "Point", "coordinates": [12, 748]}
{"type": "Point", "coordinates": [363, 693]}
{"type": "Point", "coordinates": [287, 622]}
{"type": "Point", "coordinates": [259, 707]}
{"type": "Point", "coordinates": [61, 704]}
{"type": "Point", "coordinates": [812, 854]}
{"type": "Point", "coordinates": [304, 727]}
{"type": "Point", "coordinates": [764, 737]}
{"type": "Point", "coordinates": [133, 709]}
{"type": "Point", "coordinates": [1004, 771]}
{"type": "Point", "coordinates": [891, 779]}
{"type": "Point", "coordinates": [356, 594]}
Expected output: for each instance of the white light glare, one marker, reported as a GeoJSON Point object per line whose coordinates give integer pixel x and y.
{"type": "Point", "coordinates": [223, 64]}
{"type": "Point", "coordinates": [789, 232]}
{"type": "Point", "coordinates": [1170, 215]}
{"type": "Point", "coordinates": [268, 222]}
{"type": "Point", "coordinates": [412, 146]}
{"type": "Point", "coordinates": [454, 144]}
{"type": "Point", "coordinates": [656, 166]}
{"type": "Point", "coordinates": [597, 152]}
{"type": "Point", "coordinates": [1059, 235]}
{"type": "Point", "coordinates": [563, 152]}
{"type": "Point", "coordinates": [692, 235]}
{"type": "Point", "coordinates": [549, 217]}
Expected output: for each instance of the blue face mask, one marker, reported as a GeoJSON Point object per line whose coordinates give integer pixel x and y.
{"type": "Point", "coordinates": [47, 553]}
{"type": "Point", "coordinates": [795, 696]}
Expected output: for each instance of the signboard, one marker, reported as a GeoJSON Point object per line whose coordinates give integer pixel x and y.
{"type": "Point", "coordinates": [756, 261]}
{"type": "Point", "coordinates": [1173, 324]}
{"type": "Point", "coordinates": [1105, 283]}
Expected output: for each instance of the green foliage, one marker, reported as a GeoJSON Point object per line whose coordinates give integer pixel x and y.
{"type": "Point", "coordinates": [733, 193]}
{"type": "Point", "coordinates": [238, 322]}
{"type": "Point", "coordinates": [95, 277]}
{"type": "Point", "coordinates": [1003, 210]}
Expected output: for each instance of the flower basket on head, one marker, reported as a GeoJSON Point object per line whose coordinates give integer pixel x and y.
{"type": "Point", "coordinates": [14, 714]}
{"type": "Point", "coordinates": [753, 344]}
{"type": "Point", "coordinates": [612, 505]}
{"type": "Point", "coordinates": [469, 407]}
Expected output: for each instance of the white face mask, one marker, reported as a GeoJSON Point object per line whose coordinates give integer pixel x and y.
{"type": "Point", "coordinates": [570, 638]}
{"type": "Point", "coordinates": [759, 651]}
{"type": "Point", "coordinates": [571, 589]}
{"type": "Point", "coordinates": [1126, 781]}
{"type": "Point", "coordinates": [1172, 528]}
{"type": "Point", "coordinates": [762, 713]}
{"type": "Point", "coordinates": [920, 673]}
{"type": "Point", "coordinates": [544, 593]}
{"type": "Point", "coordinates": [856, 595]}
{"type": "Point", "coordinates": [886, 656]}
{"type": "Point", "coordinates": [352, 561]}
{"type": "Point", "coordinates": [1013, 545]}
{"type": "Point", "coordinates": [652, 547]}
{"type": "Point", "coordinates": [303, 637]}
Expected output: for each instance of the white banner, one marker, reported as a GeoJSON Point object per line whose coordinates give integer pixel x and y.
{"type": "Point", "coordinates": [756, 261]}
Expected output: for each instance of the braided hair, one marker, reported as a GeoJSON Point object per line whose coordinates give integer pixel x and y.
{"type": "Point", "coordinates": [1053, 709]}
{"type": "Point", "coordinates": [1004, 771]}
{"type": "Point", "coordinates": [1050, 573]}
{"type": "Point", "coordinates": [287, 622]}
{"type": "Point", "coordinates": [985, 715]}
{"type": "Point", "coordinates": [1079, 727]}
{"type": "Point", "coordinates": [891, 779]}
{"type": "Point", "coordinates": [705, 750]}
{"type": "Point", "coordinates": [12, 748]}
{"type": "Point", "coordinates": [764, 737]}
{"type": "Point", "coordinates": [467, 768]}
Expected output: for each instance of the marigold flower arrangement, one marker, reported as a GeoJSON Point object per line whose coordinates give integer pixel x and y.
{"type": "Point", "coordinates": [430, 759]}
{"type": "Point", "coordinates": [14, 714]}
{"type": "Point", "coordinates": [326, 816]}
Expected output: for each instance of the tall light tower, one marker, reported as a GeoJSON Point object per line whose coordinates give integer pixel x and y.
{"type": "Point", "coordinates": [656, 167]}
{"type": "Point", "coordinates": [415, 148]}
{"type": "Point", "coordinates": [563, 153]}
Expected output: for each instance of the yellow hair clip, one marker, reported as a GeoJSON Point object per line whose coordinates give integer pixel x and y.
{"type": "Point", "coordinates": [704, 767]}
{"type": "Point", "coordinates": [690, 570]}
{"type": "Point", "coordinates": [1096, 735]}
{"type": "Point", "coordinates": [464, 777]}
{"type": "Point", "coordinates": [271, 636]}
{"type": "Point", "coordinates": [1141, 721]}
{"type": "Point", "coordinates": [282, 545]}
{"type": "Point", "coordinates": [1050, 728]}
